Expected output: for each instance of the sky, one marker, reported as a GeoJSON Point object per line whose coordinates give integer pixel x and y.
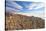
{"type": "Point", "coordinates": [26, 8]}
{"type": "Point", "coordinates": [28, 0]}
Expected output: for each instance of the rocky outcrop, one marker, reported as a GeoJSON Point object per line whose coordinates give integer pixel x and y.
{"type": "Point", "coordinates": [17, 21]}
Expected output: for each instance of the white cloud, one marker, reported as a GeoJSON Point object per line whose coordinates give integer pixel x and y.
{"type": "Point", "coordinates": [30, 7]}
{"type": "Point", "coordinates": [14, 4]}
{"type": "Point", "coordinates": [8, 9]}
{"type": "Point", "coordinates": [40, 5]}
{"type": "Point", "coordinates": [36, 5]}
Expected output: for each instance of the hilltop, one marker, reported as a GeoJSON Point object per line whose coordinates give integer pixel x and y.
{"type": "Point", "coordinates": [17, 21]}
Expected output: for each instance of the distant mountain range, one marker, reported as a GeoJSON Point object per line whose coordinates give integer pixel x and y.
{"type": "Point", "coordinates": [17, 21]}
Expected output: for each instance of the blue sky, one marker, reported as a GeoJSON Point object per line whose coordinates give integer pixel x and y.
{"type": "Point", "coordinates": [23, 7]}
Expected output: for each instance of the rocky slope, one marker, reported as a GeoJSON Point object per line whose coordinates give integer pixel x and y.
{"type": "Point", "coordinates": [17, 21]}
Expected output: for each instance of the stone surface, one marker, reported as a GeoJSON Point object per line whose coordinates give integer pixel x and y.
{"type": "Point", "coordinates": [17, 21]}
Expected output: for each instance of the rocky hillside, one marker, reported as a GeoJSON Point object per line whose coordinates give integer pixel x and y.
{"type": "Point", "coordinates": [17, 21]}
